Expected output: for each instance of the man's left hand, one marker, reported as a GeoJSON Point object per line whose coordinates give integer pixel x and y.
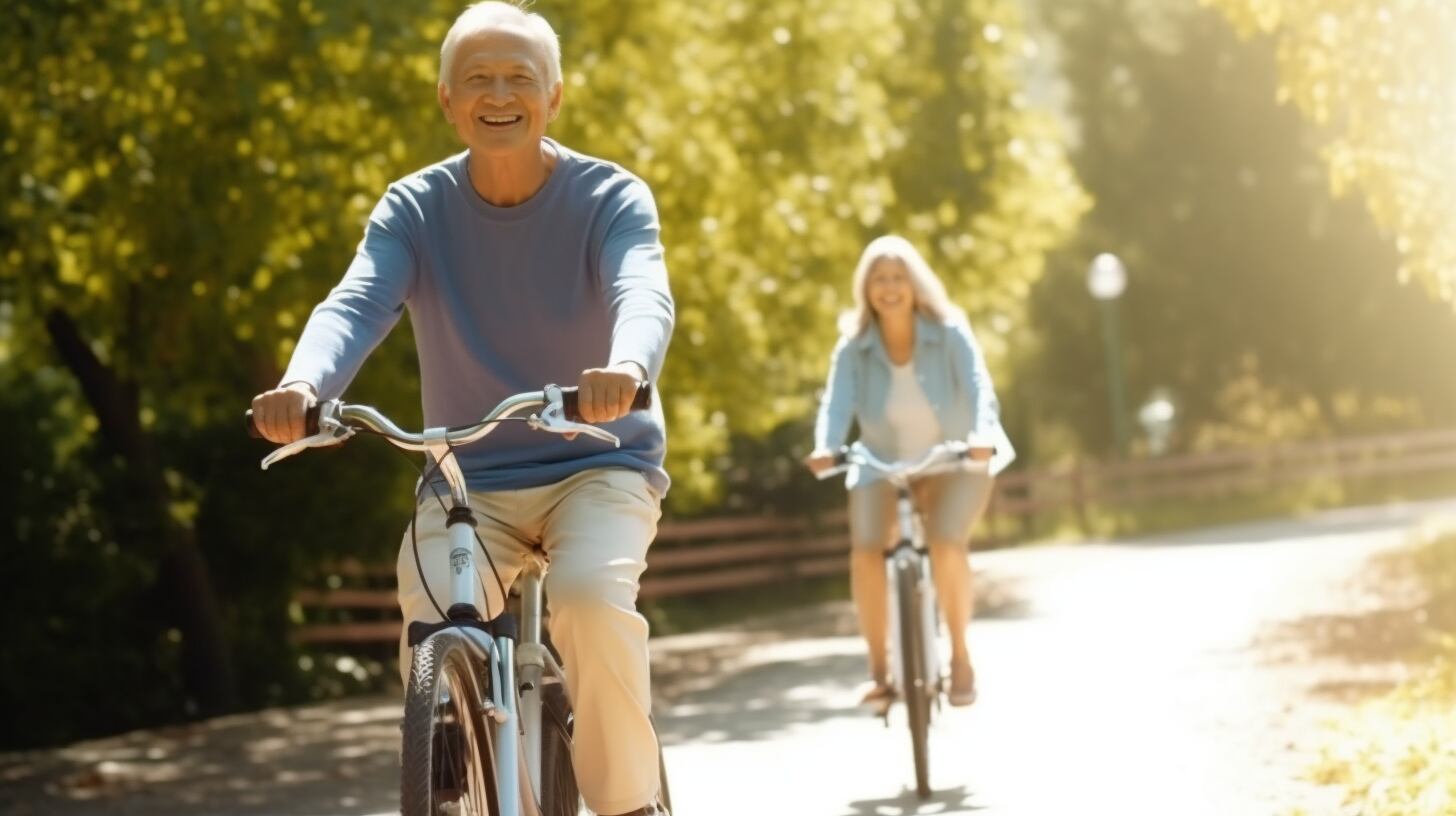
{"type": "Point", "coordinates": [605, 394]}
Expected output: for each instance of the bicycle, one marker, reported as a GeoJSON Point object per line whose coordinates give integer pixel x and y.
{"type": "Point", "coordinates": [916, 674]}
{"type": "Point", "coordinates": [487, 721]}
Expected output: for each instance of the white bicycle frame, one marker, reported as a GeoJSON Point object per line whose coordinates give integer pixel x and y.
{"type": "Point", "coordinates": [910, 545]}
{"type": "Point", "coordinates": [517, 668]}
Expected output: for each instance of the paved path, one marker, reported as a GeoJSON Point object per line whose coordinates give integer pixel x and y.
{"type": "Point", "coordinates": [1181, 674]}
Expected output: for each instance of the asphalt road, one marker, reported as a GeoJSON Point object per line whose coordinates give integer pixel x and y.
{"type": "Point", "coordinates": [1181, 674]}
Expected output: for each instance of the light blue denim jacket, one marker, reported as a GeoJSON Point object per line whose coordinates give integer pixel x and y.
{"type": "Point", "coordinates": [950, 368]}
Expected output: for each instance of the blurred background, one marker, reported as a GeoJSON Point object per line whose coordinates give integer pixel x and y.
{"type": "Point", "coordinates": [1266, 187]}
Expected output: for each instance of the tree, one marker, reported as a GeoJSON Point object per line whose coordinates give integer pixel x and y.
{"type": "Point", "coordinates": [1376, 77]}
{"type": "Point", "coordinates": [184, 168]}
{"type": "Point", "coordinates": [778, 140]}
{"type": "Point", "coordinates": [1253, 295]}
{"type": "Point", "coordinates": [188, 178]}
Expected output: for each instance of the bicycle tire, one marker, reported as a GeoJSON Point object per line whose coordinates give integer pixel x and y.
{"type": "Point", "coordinates": [664, 796]}
{"type": "Point", "coordinates": [448, 755]}
{"type": "Point", "coordinates": [560, 795]}
{"type": "Point", "coordinates": [917, 692]}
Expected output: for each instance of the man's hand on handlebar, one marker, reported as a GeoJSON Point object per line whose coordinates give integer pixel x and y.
{"type": "Point", "coordinates": [605, 394]}
{"type": "Point", "coordinates": [279, 414]}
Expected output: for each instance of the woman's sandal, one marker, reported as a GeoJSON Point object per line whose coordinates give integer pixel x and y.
{"type": "Point", "coordinates": [962, 695]}
{"type": "Point", "coordinates": [879, 693]}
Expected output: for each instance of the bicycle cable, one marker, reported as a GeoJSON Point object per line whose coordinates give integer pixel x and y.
{"type": "Point", "coordinates": [426, 481]}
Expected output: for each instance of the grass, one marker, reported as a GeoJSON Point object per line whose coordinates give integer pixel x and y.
{"type": "Point", "coordinates": [1396, 754]}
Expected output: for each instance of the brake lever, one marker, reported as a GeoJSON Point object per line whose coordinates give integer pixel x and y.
{"type": "Point", "coordinates": [331, 432]}
{"type": "Point", "coordinates": [552, 419]}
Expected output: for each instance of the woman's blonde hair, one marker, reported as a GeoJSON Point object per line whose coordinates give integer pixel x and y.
{"type": "Point", "coordinates": [930, 297]}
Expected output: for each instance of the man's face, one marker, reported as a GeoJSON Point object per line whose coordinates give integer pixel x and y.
{"type": "Point", "coordinates": [496, 93]}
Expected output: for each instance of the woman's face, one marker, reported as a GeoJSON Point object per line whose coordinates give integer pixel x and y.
{"type": "Point", "coordinates": [888, 289]}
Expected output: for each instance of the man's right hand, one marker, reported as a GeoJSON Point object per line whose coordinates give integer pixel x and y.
{"type": "Point", "coordinates": [279, 414]}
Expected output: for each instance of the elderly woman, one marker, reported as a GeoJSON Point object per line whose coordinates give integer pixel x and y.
{"type": "Point", "coordinates": [908, 370]}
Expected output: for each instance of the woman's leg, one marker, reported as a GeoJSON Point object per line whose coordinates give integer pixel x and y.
{"type": "Point", "coordinates": [952, 503]}
{"type": "Point", "coordinates": [871, 531]}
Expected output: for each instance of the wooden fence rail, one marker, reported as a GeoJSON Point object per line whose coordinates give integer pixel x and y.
{"type": "Point", "coordinates": [709, 555]}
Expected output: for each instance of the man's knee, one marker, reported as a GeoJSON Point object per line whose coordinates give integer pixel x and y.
{"type": "Point", "coordinates": [605, 592]}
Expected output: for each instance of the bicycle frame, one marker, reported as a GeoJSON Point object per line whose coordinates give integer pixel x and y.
{"type": "Point", "coordinates": [909, 553]}
{"type": "Point", "coordinates": [518, 668]}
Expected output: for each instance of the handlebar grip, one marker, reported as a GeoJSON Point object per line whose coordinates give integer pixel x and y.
{"type": "Point", "coordinates": [641, 401]}
{"type": "Point", "coordinates": [310, 422]}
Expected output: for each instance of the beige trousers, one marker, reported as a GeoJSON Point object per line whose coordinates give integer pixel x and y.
{"type": "Point", "coordinates": [595, 528]}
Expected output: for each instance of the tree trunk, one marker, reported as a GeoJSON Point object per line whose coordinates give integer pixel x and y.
{"type": "Point", "coordinates": [183, 580]}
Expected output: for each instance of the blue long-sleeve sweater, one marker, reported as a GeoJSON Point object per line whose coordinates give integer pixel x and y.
{"type": "Point", "coordinates": [504, 300]}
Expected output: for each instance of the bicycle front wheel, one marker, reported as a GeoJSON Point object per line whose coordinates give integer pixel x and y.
{"type": "Point", "coordinates": [917, 689]}
{"type": "Point", "coordinates": [448, 761]}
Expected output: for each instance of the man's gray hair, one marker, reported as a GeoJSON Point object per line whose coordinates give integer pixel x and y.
{"type": "Point", "coordinates": [477, 14]}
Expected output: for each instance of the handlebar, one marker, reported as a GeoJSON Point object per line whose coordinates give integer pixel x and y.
{"type": "Point", "coordinates": [377, 422]}
{"type": "Point", "coordinates": [310, 421]}
{"type": "Point", "coordinates": [331, 422]}
{"type": "Point", "coordinates": [641, 401]}
{"type": "Point", "coordinates": [948, 455]}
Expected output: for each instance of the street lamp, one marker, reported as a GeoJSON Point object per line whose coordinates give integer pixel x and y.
{"type": "Point", "coordinates": [1106, 280]}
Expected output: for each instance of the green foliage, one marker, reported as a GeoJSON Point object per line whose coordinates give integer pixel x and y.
{"type": "Point", "coordinates": [192, 175]}
{"type": "Point", "coordinates": [198, 171]}
{"type": "Point", "coordinates": [186, 178]}
{"type": "Point", "coordinates": [71, 591]}
{"type": "Point", "coordinates": [1253, 296]}
{"type": "Point", "coordinates": [778, 141]}
{"type": "Point", "coordinates": [1376, 76]}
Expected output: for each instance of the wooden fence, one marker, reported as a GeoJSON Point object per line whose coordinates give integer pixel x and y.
{"type": "Point", "coordinates": [711, 555]}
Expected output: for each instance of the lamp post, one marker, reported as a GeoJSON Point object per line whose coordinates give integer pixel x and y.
{"type": "Point", "coordinates": [1106, 280]}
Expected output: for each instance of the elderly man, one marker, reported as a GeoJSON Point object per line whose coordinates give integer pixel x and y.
{"type": "Point", "coordinates": [523, 262]}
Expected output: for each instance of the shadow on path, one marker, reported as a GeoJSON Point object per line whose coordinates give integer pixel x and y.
{"type": "Point", "coordinates": [953, 800]}
{"type": "Point", "coordinates": [335, 758]}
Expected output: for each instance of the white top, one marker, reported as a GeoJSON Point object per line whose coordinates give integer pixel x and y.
{"type": "Point", "coordinates": [908, 411]}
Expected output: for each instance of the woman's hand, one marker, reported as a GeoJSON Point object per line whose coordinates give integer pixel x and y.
{"type": "Point", "coordinates": [819, 461]}
{"type": "Point", "coordinates": [979, 448]}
